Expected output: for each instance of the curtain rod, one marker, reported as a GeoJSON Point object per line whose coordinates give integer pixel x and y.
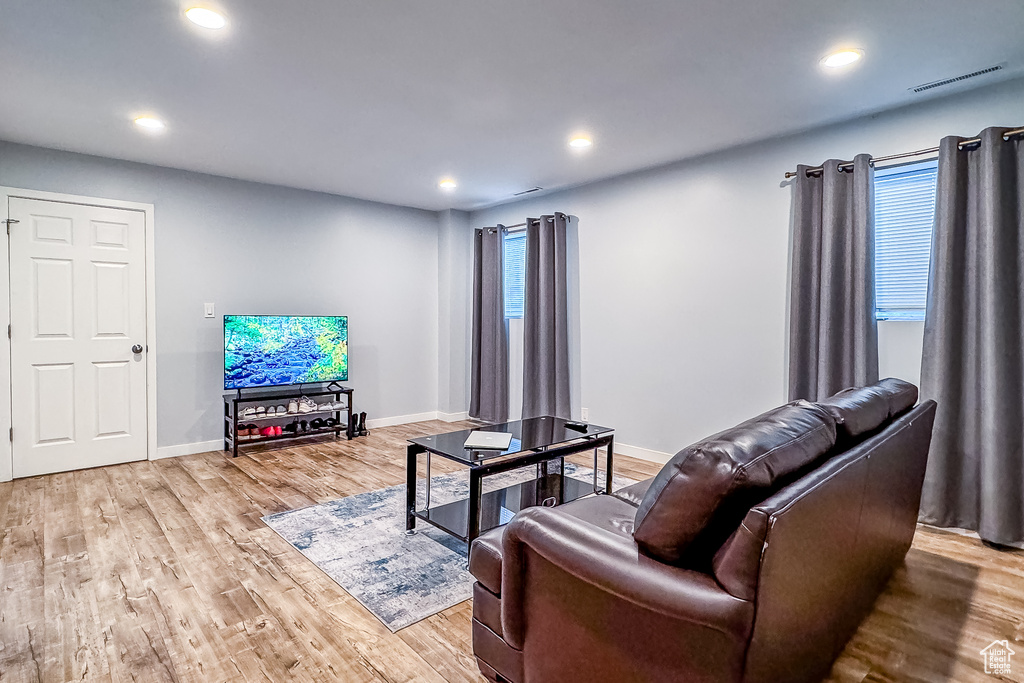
{"type": "Point", "coordinates": [521, 226]}
{"type": "Point", "coordinates": [921, 152]}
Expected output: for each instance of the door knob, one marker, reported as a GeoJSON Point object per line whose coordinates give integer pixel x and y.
{"type": "Point", "coordinates": [137, 348]}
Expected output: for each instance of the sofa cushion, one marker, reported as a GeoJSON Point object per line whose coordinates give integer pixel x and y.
{"type": "Point", "coordinates": [605, 512]}
{"type": "Point", "coordinates": [859, 410]}
{"type": "Point", "coordinates": [699, 497]}
{"type": "Point", "coordinates": [485, 559]}
{"type": "Point", "coordinates": [487, 608]}
{"type": "Point", "coordinates": [634, 493]}
{"type": "Point", "coordinates": [902, 395]}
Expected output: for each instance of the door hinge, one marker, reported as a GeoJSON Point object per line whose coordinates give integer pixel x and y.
{"type": "Point", "coordinates": [9, 332]}
{"type": "Point", "coordinates": [12, 434]}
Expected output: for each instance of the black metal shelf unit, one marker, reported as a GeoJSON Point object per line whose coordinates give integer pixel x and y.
{"type": "Point", "coordinates": [235, 402]}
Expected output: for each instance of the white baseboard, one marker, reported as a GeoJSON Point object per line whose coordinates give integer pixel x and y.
{"type": "Point", "coordinates": [452, 417]}
{"type": "Point", "coordinates": [642, 453]}
{"type": "Point", "coordinates": [188, 449]}
{"type": "Point", "coordinates": [401, 419]}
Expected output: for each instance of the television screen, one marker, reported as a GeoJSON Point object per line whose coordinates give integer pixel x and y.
{"type": "Point", "coordinates": [274, 350]}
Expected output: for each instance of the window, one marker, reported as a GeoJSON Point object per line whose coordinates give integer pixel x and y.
{"type": "Point", "coordinates": [904, 213]}
{"type": "Point", "coordinates": [515, 273]}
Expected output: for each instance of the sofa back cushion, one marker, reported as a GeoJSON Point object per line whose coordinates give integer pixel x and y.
{"type": "Point", "coordinates": [700, 496]}
{"type": "Point", "coordinates": [860, 410]}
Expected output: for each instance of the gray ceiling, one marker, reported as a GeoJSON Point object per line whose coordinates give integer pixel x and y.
{"type": "Point", "coordinates": [380, 99]}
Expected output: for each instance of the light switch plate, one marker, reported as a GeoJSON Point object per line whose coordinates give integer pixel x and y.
{"type": "Point", "coordinates": [585, 414]}
{"type": "Point", "coordinates": [208, 311]}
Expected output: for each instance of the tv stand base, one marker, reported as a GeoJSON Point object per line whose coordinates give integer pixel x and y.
{"type": "Point", "coordinates": [236, 402]}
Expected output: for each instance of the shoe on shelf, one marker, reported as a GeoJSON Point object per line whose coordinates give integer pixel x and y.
{"type": "Point", "coordinates": [325, 407]}
{"type": "Point", "coordinates": [307, 405]}
{"type": "Point", "coordinates": [304, 426]}
{"type": "Point", "coordinates": [316, 424]}
{"type": "Point", "coordinates": [267, 431]}
{"type": "Point", "coordinates": [330, 422]}
{"type": "Point", "coordinates": [278, 430]}
{"type": "Point", "coordinates": [280, 410]}
{"type": "Point", "coordinates": [243, 432]}
{"type": "Point", "coordinates": [261, 411]}
{"type": "Point", "coordinates": [338, 405]}
{"type": "Point", "coordinates": [292, 427]}
{"type": "Point", "coordinates": [293, 406]}
{"type": "Point", "coordinates": [248, 411]}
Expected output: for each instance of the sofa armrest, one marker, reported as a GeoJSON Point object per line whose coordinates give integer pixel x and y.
{"type": "Point", "coordinates": [612, 563]}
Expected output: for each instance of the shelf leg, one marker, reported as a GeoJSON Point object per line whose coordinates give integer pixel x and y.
{"type": "Point", "coordinates": [410, 488]}
{"type": "Point", "coordinates": [608, 465]}
{"type": "Point", "coordinates": [474, 506]}
{"type": "Point", "coordinates": [427, 505]}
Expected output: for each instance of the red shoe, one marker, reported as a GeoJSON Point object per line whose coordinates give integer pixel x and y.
{"type": "Point", "coordinates": [267, 431]}
{"type": "Point", "coordinates": [278, 431]}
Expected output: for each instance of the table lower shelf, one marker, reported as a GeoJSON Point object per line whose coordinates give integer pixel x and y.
{"type": "Point", "coordinates": [498, 507]}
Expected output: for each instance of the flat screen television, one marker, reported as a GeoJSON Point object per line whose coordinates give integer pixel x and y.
{"type": "Point", "coordinates": [277, 350]}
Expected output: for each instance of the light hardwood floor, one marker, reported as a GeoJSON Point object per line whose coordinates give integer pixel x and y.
{"type": "Point", "coordinates": [163, 571]}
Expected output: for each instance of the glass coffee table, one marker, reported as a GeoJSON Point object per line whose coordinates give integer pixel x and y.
{"type": "Point", "coordinates": [535, 441]}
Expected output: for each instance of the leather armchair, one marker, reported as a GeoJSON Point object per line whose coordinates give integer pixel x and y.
{"type": "Point", "coordinates": [568, 594]}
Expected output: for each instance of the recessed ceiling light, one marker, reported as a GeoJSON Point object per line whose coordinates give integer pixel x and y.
{"type": "Point", "coordinates": [841, 58]}
{"type": "Point", "coordinates": [447, 184]}
{"type": "Point", "coordinates": [580, 142]}
{"type": "Point", "coordinates": [149, 123]}
{"type": "Point", "coordinates": [207, 18]}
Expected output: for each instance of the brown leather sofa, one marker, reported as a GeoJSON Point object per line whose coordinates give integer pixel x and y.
{"type": "Point", "coordinates": [752, 556]}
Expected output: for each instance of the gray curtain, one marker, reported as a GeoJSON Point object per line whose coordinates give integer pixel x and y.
{"type": "Point", "coordinates": [833, 339]}
{"type": "Point", "coordinates": [546, 319]}
{"type": "Point", "coordinates": [973, 363]}
{"type": "Point", "coordinates": [489, 388]}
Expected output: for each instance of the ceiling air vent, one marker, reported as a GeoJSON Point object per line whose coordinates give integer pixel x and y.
{"type": "Point", "coordinates": [957, 79]}
{"type": "Point", "coordinates": [532, 189]}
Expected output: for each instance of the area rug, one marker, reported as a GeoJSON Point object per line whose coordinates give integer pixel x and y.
{"type": "Point", "coordinates": [360, 542]}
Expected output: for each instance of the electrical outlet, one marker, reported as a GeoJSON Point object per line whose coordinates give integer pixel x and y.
{"type": "Point", "coordinates": [208, 311]}
{"type": "Point", "coordinates": [584, 414]}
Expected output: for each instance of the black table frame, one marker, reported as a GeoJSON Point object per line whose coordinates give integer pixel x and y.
{"type": "Point", "coordinates": [485, 468]}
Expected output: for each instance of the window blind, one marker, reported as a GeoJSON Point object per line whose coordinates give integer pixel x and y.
{"type": "Point", "coordinates": [904, 214]}
{"type": "Point", "coordinates": [515, 274]}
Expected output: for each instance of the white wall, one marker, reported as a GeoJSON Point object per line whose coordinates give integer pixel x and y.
{"type": "Point", "coordinates": [683, 275]}
{"type": "Point", "coordinates": [454, 284]}
{"type": "Point", "coordinates": [684, 272]}
{"type": "Point", "coordinates": [252, 248]}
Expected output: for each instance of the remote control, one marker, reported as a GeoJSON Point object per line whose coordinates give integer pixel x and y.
{"type": "Point", "coordinates": [576, 426]}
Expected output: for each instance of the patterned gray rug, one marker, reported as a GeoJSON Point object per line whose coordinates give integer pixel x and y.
{"type": "Point", "coordinates": [360, 542]}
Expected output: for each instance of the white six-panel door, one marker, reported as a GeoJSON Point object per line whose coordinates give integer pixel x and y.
{"type": "Point", "coordinates": [78, 307]}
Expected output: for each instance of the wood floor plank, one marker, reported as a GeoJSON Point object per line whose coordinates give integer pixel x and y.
{"type": "Point", "coordinates": [134, 632]}
{"type": "Point", "coordinates": [324, 631]}
{"type": "Point", "coordinates": [22, 585]}
{"type": "Point", "coordinates": [71, 612]}
{"type": "Point", "coordinates": [228, 534]}
{"type": "Point", "coordinates": [164, 571]}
